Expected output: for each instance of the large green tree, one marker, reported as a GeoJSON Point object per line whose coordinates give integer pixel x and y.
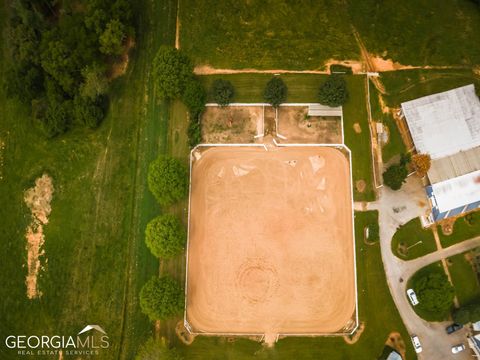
{"type": "Point", "coordinates": [161, 298]}
{"type": "Point", "coordinates": [395, 176]}
{"type": "Point", "coordinates": [223, 92]}
{"type": "Point", "coordinates": [95, 82]}
{"type": "Point", "coordinates": [435, 293]}
{"type": "Point", "coordinates": [275, 91]}
{"type": "Point", "coordinates": [111, 40]}
{"type": "Point", "coordinates": [168, 180]}
{"type": "Point", "coordinates": [194, 97]}
{"type": "Point", "coordinates": [165, 236]}
{"type": "Point", "coordinates": [172, 71]}
{"type": "Point", "coordinates": [466, 314]}
{"type": "Point", "coordinates": [333, 92]}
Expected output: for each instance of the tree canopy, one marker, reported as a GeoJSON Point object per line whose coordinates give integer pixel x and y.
{"type": "Point", "coordinates": [165, 236]}
{"type": "Point", "coordinates": [395, 176]}
{"type": "Point", "coordinates": [172, 70]}
{"type": "Point", "coordinates": [333, 92]}
{"type": "Point", "coordinates": [111, 40]}
{"type": "Point", "coordinates": [435, 293]}
{"type": "Point", "coordinates": [421, 163]}
{"type": "Point", "coordinates": [275, 91]}
{"type": "Point", "coordinates": [194, 97]}
{"type": "Point", "coordinates": [466, 314]}
{"type": "Point", "coordinates": [168, 180]}
{"type": "Point", "coordinates": [161, 298]}
{"type": "Point", "coordinates": [223, 92]}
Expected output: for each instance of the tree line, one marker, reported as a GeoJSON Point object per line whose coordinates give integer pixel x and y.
{"type": "Point", "coordinates": [59, 57]}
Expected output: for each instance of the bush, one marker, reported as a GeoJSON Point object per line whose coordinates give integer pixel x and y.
{"type": "Point", "coordinates": [223, 92]}
{"type": "Point", "coordinates": [395, 176]}
{"type": "Point", "coordinates": [57, 118]}
{"type": "Point", "coordinates": [275, 92]}
{"type": "Point", "coordinates": [167, 180]}
{"type": "Point", "coordinates": [194, 98]}
{"type": "Point", "coordinates": [161, 298]}
{"type": "Point", "coordinates": [172, 71]}
{"type": "Point", "coordinates": [155, 349]}
{"type": "Point", "coordinates": [467, 314]}
{"type": "Point", "coordinates": [194, 133]}
{"type": "Point", "coordinates": [333, 91]}
{"type": "Point", "coordinates": [435, 293]}
{"type": "Point", "coordinates": [165, 236]}
{"type": "Point", "coordinates": [88, 112]}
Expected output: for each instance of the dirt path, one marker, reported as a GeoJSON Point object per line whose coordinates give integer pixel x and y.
{"type": "Point", "coordinates": [38, 200]}
{"type": "Point", "coordinates": [177, 27]}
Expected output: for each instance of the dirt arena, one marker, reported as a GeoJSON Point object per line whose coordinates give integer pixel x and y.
{"type": "Point", "coordinates": [270, 244]}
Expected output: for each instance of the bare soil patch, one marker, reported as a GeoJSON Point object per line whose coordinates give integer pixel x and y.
{"type": "Point", "coordinates": [396, 342]}
{"type": "Point", "coordinates": [357, 128]}
{"type": "Point", "coordinates": [447, 225]}
{"type": "Point", "coordinates": [119, 67]}
{"type": "Point", "coordinates": [270, 246]}
{"type": "Point", "coordinates": [230, 124]}
{"type": "Point", "coordinates": [352, 339]}
{"type": "Point", "coordinates": [38, 200]}
{"type": "Point", "coordinates": [295, 124]}
{"type": "Point", "coordinates": [182, 333]}
{"type": "Point", "coordinates": [360, 185]}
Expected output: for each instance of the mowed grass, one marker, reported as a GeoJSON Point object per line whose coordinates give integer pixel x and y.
{"type": "Point", "coordinates": [414, 32]}
{"type": "Point", "coordinates": [462, 230]}
{"type": "Point", "coordinates": [410, 235]}
{"type": "Point", "coordinates": [464, 279]}
{"type": "Point", "coordinates": [405, 85]}
{"type": "Point", "coordinates": [304, 88]}
{"type": "Point", "coordinates": [376, 310]}
{"type": "Point", "coordinates": [269, 34]}
{"type": "Point", "coordinates": [97, 260]}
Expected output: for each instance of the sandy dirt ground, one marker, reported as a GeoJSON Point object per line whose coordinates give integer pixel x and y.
{"type": "Point", "coordinates": [297, 128]}
{"type": "Point", "coordinates": [270, 248]}
{"type": "Point", "coordinates": [38, 200]}
{"type": "Point", "coordinates": [231, 124]}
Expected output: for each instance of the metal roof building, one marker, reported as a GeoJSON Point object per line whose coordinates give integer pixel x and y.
{"type": "Point", "coordinates": [447, 127]}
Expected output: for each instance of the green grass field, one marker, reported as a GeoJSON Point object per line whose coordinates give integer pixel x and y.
{"type": "Point", "coordinates": [395, 145]}
{"type": "Point", "coordinates": [268, 34]}
{"type": "Point", "coordinates": [304, 88]}
{"type": "Point", "coordinates": [414, 32]}
{"type": "Point", "coordinates": [464, 279]}
{"type": "Point", "coordinates": [376, 306]}
{"type": "Point", "coordinates": [97, 260]}
{"type": "Point", "coordinates": [407, 85]}
{"type": "Point", "coordinates": [425, 314]}
{"type": "Point", "coordinates": [410, 234]}
{"type": "Point", "coordinates": [462, 230]}
{"type": "Point", "coordinates": [285, 35]}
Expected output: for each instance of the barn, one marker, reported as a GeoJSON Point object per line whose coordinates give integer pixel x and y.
{"type": "Point", "coordinates": [447, 127]}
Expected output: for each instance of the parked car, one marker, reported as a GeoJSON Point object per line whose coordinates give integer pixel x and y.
{"type": "Point", "coordinates": [453, 327]}
{"type": "Point", "coordinates": [412, 297]}
{"type": "Point", "coordinates": [458, 348]}
{"type": "Point", "coordinates": [416, 344]}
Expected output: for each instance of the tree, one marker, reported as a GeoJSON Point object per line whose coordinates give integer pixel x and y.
{"type": "Point", "coordinates": [172, 70]}
{"type": "Point", "coordinates": [111, 40]}
{"type": "Point", "coordinates": [395, 176]}
{"type": "Point", "coordinates": [435, 293]}
{"type": "Point", "coordinates": [467, 313]}
{"type": "Point", "coordinates": [194, 97]}
{"type": "Point", "coordinates": [57, 118]}
{"type": "Point", "coordinates": [194, 133]}
{"type": "Point", "coordinates": [88, 112]}
{"type": "Point", "coordinates": [167, 180]}
{"type": "Point", "coordinates": [95, 82]}
{"type": "Point", "coordinates": [154, 349]}
{"type": "Point", "coordinates": [333, 91]}
{"type": "Point", "coordinates": [161, 298]}
{"type": "Point", "coordinates": [165, 236]}
{"type": "Point", "coordinates": [275, 92]}
{"type": "Point", "coordinates": [223, 92]}
{"type": "Point", "coordinates": [421, 163]}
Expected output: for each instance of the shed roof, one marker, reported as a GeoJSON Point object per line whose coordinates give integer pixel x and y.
{"type": "Point", "coordinates": [323, 110]}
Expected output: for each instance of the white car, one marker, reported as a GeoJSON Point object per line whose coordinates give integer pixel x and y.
{"type": "Point", "coordinates": [412, 297]}
{"type": "Point", "coordinates": [416, 344]}
{"type": "Point", "coordinates": [458, 348]}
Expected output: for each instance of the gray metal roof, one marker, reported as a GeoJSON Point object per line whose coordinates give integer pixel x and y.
{"type": "Point", "coordinates": [323, 110]}
{"type": "Point", "coordinates": [459, 164]}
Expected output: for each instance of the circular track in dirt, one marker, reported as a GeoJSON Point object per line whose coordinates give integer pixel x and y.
{"type": "Point", "coordinates": [256, 280]}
